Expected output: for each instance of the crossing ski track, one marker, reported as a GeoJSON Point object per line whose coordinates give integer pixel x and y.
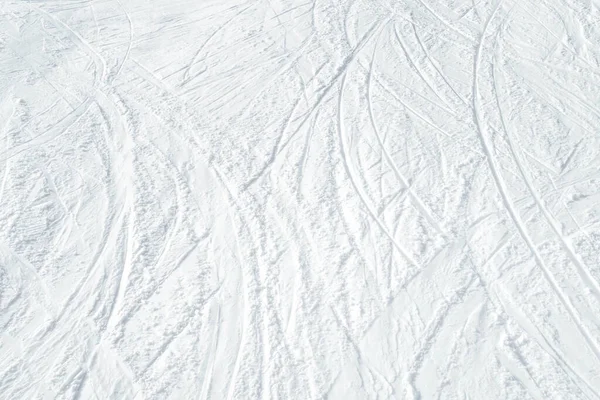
{"type": "Point", "coordinates": [300, 199]}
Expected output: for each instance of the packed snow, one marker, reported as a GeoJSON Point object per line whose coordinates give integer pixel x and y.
{"type": "Point", "coordinates": [289, 199]}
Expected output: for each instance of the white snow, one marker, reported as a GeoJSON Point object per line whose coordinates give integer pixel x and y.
{"type": "Point", "coordinates": [289, 199]}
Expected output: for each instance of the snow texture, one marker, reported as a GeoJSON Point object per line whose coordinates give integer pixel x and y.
{"type": "Point", "coordinates": [290, 199]}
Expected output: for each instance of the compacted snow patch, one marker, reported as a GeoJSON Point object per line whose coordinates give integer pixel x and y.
{"type": "Point", "coordinates": [282, 199]}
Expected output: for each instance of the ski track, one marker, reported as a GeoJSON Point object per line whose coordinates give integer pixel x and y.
{"type": "Point", "coordinates": [281, 199]}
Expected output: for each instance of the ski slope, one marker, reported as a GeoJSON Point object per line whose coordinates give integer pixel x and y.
{"type": "Point", "coordinates": [290, 199]}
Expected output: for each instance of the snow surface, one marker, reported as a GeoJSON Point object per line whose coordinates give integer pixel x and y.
{"type": "Point", "coordinates": [289, 199]}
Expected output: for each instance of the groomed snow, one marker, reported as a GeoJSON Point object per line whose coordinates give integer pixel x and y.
{"type": "Point", "coordinates": [289, 199]}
